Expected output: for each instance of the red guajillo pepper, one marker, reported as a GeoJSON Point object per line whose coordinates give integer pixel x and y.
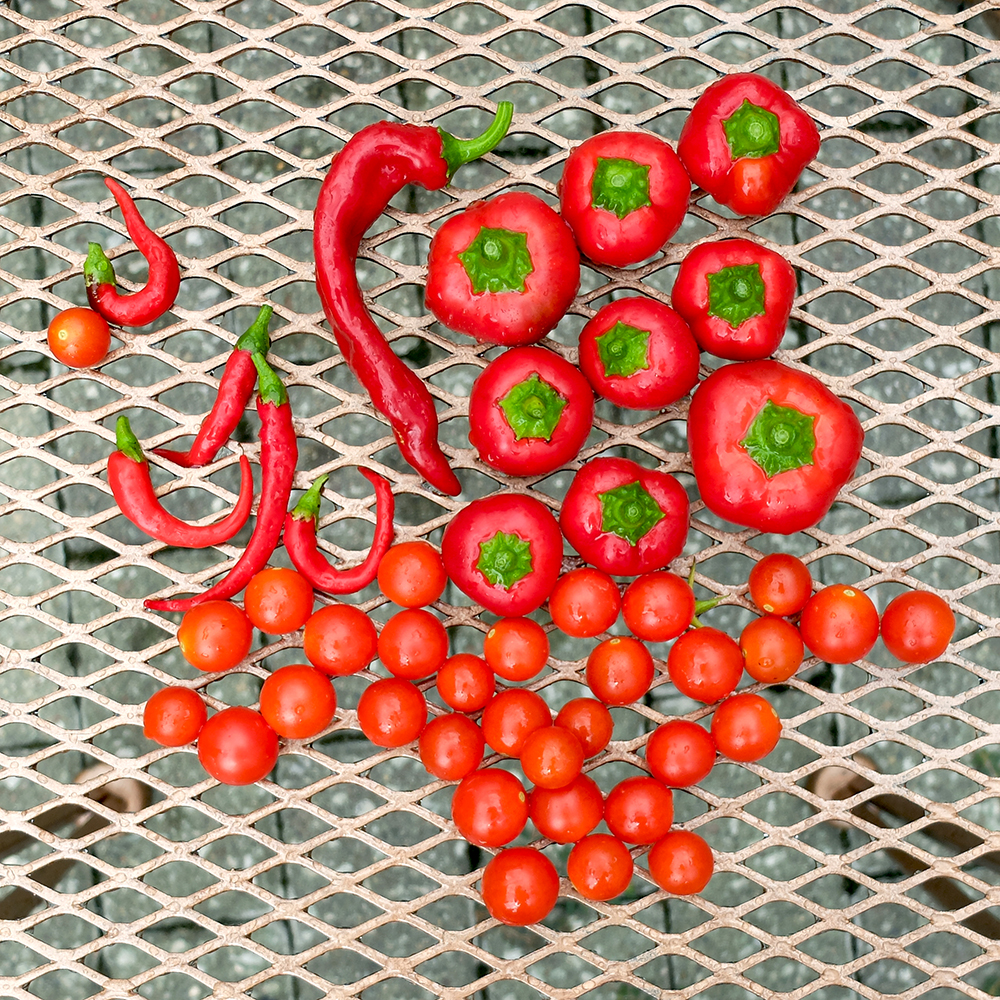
{"type": "Point", "coordinates": [159, 292]}
{"type": "Point", "coordinates": [300, 539]}
{"type": "Point", "coordinates": [128, 476]}
{"type": "Point", "coordinates": [235, 389]}
{"type": "Point", "coordinates": [376, 163]}
{"type": "Point", "coordinates": [278, 455]}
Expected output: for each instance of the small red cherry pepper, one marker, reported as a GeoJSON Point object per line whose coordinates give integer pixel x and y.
{"type": "Point", "coordinates": [736, 296]}
{"type": "Point", "coordinates": [530, 411]}
{"type": "Point", "coordinates": [235, 389]}
{"type": "Point", "coordinates": [128, 476]}
{"type": "Point", "coordinates": [624, 194]}
{"type": "Point", "coordinates": [504, 271]}
{"type": "Point", "coordinates": [301, 545]}
{"type": "Point", "coordinates": [771, 446]}
{"type": "Point", "coordinates": [372, 167]}
{"type": "Point", "coordinates": [746, 143]}
{"type": "Point", "coordinates": [159, 292]}
{"type": "Point", "coordinates": [624, 519]}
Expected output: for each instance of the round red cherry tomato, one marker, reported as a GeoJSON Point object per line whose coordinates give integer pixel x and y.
{"type": "Point", "coordinates": [298, 701]}
{"type": "Point", "coordinates": [705, 664]}
{"type": "Point", "coordinates": [520, 886]}
{"type": "Point", "coordinates": [79, 337]}
{"type": "Point", "coordinates": [173, 716]}
{"type": "Point", "coordinates": [516, 648]}
{"type": "Point", "coordinates": [278, 600]}
{"type": "Point", "coordinates": [839, 624]}
{"type": "Point", "coordinates": [772, 649]}
{"type": "Point", "coordinates": [567, 814]}
{"type": "Point", "coordinates": [215, 635]}
{"type": "Point", "coordinates": [917, 626]}
{"type": "Point", "coordinates": [465, 682]}
{"type": "Point", "coordinates": [511, 717]}
{"type": "Point", "coordinates": [391, 712]}
{"type": "Point", "coordinates": [340, 639]}
{"type": "Point", "coordinates": [413, 643]}
{"type": "Point", "coordinates": [237, 747]}
{"type": "Point", "coordinates": [490, 807]}
{"type": "Point", "coordinates": [745, 727]}
{"type": "Point", "coordinates": [780, 584]}
{"type": "Point", "coordinates": [589, 721]}
{"type": "Point", "coordinates": [584, 602]}
{"type": "Point", "coordinates": [680, 753]}
{"type": "Point", "coordinates": [681, 862]}
{"type": "Point", "coordinates": [619, 670]}
{"type": "Point", "coordinates": [599, 866]}
{"type": "Point", "coordinates": [639, 810]}
{"type": "Point", "coordinates": [551, 757]}
{"type": "Point", "coordinates": [658, 606]}
{"type": "Point", "coordinates": [411, 574]}
{"type": "Point", "coordinates": [451, 746]}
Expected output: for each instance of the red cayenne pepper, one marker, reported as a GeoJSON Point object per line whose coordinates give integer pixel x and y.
{"type": "Point", "coordinates": [159, 292]}
{"type": "Point", "coordinates": [300, 540]}
{"type": "Point", "coordinates": [235, 390]}
{"type": "Point", "coordinates": [128, 476]}
{"type": "Point", "coordinates": [376, 163]}
{"type": "Point", "coordinates": [278, 455]}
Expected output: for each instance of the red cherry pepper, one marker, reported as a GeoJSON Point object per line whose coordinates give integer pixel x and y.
{"type": "Point", "coordinates": [624, 519]}
{"type": "Point", "coordinates": [504, 271]}
{"type": "Point", "coordinates": [736, 296]}
{"type": "Point", "coordinates": [771, 446]}
{"type": "Point", "coordinates": [746, 143]}
{"type": "Point", "coordinates": [128, 476]}
{"type": "Point", "coordinates": [624, 194]}
{"type": "Point", "coordinates": [159, 292]}
{"type": "Point", "coordinates": [235, 389]}
{"type": "Point", "coordinates": [375, 164]}
{"type": "Point", "coordinates": [278, 454]}
{"type": "Point", "coordinates": [300, 540]}
{"type": "Point", "coordinates": [530, 412]}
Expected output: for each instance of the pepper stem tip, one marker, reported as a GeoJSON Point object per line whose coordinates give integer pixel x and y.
{"type": "Point", "coordinates": [307, 509]}
{"type": "Point", "coordinates": [455, 151]}
{"type": "Point", "coordinates": [269, 385]}
{"type": "Point", "coordinates": [126, 441]}
{"type": "Point", "coordinates": [97, 269]}
{"type": "Point", "coordinates": [256, 339]}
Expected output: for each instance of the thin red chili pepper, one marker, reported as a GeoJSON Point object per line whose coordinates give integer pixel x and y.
{"type": "Point", "coordinates": [300, 539]}
{"type": "Point", "coordinates": [374, 165]}
{"type": "Point", "coordinates": [235, 389]}
{"type": "Point", "coordinates": [151, 301]}
{"type": "Point", "coordinates": [278, 455]}
{"type": "Point", "coordinates": [128, 475]}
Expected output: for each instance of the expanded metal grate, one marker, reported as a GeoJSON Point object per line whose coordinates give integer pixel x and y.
{"type": "Point", "coordinates": [858, 860]}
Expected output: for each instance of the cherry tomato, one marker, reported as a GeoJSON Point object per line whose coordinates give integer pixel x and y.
{"type": "Point", "coordinates": [780, 584]}
{"type": "Point", "coordinates": [298, 701]}
{"type": "Point", "coordinates": [681, 862]}
{"type": "Point", "coordinates": [584, 602]}
{"type": "Point", "coordinates": [567, 814]}
{"type": "Point", "coordinates": [745, 727]}
{"type": "Point", "coordinates": [619, 670]}
{"type": "Point", "coordinates": [705, 664]}
{"type": "Point", "coordinates": [451, 746]}
{"type": "Point", "coordinates": [589, 721]}
{"type": "Point", "coordinates": [215, 635]}
{"type": "Point", "coordinates": [551, 757]}
{"type": "Point", "coordinates": [79, 337]}
{"type": "Point", "coordinates": [391, 712]}
{"type": "Point", "coordinates": [413, 643]}
{"type": "Point", "coordinates": [173, 716]}
{"type": "Point", "coordinates": [917, 626]}
{"type": "Point", "coordinates": [520, 886]}
{"type": "Point", "coordinates": [680, 753]}
{"type": "Point", "coordinates": [465, 682]}
{"type": "Point", "coordinates": [490, 807]}
{"type": "Point", "coordinates": [411, 574]}
{"type": "Point", "coordinates": [839, 624]}
{"type": "Point", "coordinates": [516, 648]}
{"type": "Point", "coordinates": [599, 866]}
{"type": "Point", "coordinates": [237, 747]}
{"type": "Point", "coordinates": [278, 600]}
{"type": "Point", "coordinates": [639, 810]}
{"type": "Point", "coordinates": [339, 639]}
{"type": "Point", "coordinates": [772, 649]}
{"type": "Point", "coordinates": [511, 717]}
{"type": "Point", "coordinates": [658, 606]}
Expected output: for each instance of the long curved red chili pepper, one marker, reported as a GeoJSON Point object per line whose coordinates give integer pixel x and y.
{"type": "Point", "coordinates": [278, 455]}
{"type": "Point", "coordinates": [235, 390]}
{"type": "Point", "coordinates": [300, 539]}
{"type": "Point", "coordinates": [160, 290]}
{"type": "Point", "coordinates": [375, 164]}
{"type": "Point", "coordinates": [128, 476]}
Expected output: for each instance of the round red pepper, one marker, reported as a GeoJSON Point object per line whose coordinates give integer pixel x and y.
{"type": "Point", "coordinates": [736, 296]}
{"type": "Point", "coordinates": [624, 194]}
{"type": "Point", "coordinates": [624, 519]}
{"type": "Point", "coordinates": [746, 143]}
{"type": "Point", "coordinates": [504, 271]}
{"type": "Point", "coordinates": [504, 551]}
{"type": "Point", "coordinates": [530, 411]}
{"type": "Point", "coordinates": [771, 446]}
{"type": "Point", "coordinates": [639, 354]}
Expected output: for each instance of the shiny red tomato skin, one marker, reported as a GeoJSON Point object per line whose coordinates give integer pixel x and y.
{"type": "Point", "coordinates": [681, 862]}
{"type": "Point", "coordinates": [584, 602]}
{"type": "Point", "coordinates": [237, 747]}
{"type": "Point", "coordinates": [567, 814]}
{"type": "Point", "coordinates": [839, 624]}
{"type": "Point", "coordinates": [174, 716]}
{"type": "Point", "coordinates": [917, 626]}
{"type": "Point", "coordinates": [520, 886]}
{"type": "Point", "coordinates": [339, 639]}
{"type": "Point", "coordinates": [639, 810]}
{"type": "Point", "coordinates": [298, 701]}
{"type": "Point", "coordinates": [680, 753]}
{"type": "Point", "coordinates": [600, 866]}
{"type": "Point", "coordinates": [451, 746]}
{"type": "Point", "coordinates": [215, 635]}
{"type": "Point", "coordinates": [490, 807]}
{"type": "Point", "coordinates": [745, 727]}
{"type": "Point", "coordinates": [392, 712]}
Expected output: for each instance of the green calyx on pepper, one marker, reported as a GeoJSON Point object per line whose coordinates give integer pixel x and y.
{"type": "Point", "coordinates": [736, 293]}
{"type": "Point", "coordinates": [620, 185]}
{"type": "Point", "coordinates": [780, 439]}
{"type": "Point", "coordinates": [497, 260]}
{"type": "Point", "coordinates": [623, 350]}
{"type": "Point", "coordinates": [504, 559]}
{"type": "Point", "coordinates": [629, 511]}
{"type": "Point", "coordinates": [126, 441]}
{"type": "Point", "coordinates": [533, 408]}
{"type": "Point", "coordinates": [752, 131]}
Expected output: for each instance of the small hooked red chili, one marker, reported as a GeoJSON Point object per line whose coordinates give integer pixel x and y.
{"type": "Point", "coordinates": [300, 539]}
{"type": "Point", "coordinates": [159, 292]}
{"type": "Point", "coordinates": [128, 476]}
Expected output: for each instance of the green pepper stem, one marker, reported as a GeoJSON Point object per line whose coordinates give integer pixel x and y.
{"type": "Point", "coordinates": [256, 339]}
{"type": "Point", "coordinates": [127, 442]}
{"type": "Point", "coordinates": [456, 151]}
{"type": "Point", "coordinates": [97, 269]}
{"type": "Point", "coordinates": [269, 385]}
{"type": "Point", "coordinates": [307, 509]}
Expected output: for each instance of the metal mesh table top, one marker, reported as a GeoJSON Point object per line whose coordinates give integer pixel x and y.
{"type": "Point", "coordinates": [859, 859]}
